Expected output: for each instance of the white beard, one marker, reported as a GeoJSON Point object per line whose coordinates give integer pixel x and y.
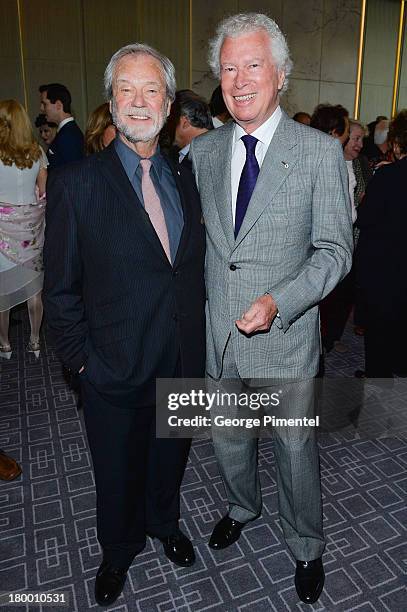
{"type": "Point", "coordinates": [139, 133]}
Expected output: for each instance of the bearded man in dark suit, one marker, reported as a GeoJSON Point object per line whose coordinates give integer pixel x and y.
{"type": "Point", "coordinates": [124, 295]}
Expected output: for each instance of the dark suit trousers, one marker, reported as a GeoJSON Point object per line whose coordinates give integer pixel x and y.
{"type": "Point", "coordinates": [138, 476]}
{"type": "Point", "coordinates": [385, 334]}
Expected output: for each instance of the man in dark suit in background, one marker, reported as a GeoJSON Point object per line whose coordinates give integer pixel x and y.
{"type": "Point", "coordinates": [68, 143]}
{"type": "Point", "coordinates": [192, 119]}
{"type": "Point", "coordinates": [124, 294]}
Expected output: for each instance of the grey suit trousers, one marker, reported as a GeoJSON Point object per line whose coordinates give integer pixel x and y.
{"type": "Point", "coordinates": [296, 455]}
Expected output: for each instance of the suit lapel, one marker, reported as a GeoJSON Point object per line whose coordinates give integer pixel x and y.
{"type": "Point", "coordinates": [176, 172]}
{"type": "Point", "coordinates": [221, 177]}
{"type": "Point", "coordinates": [278, 164]}
{"type": "Point", "coordinates": [112, 169]}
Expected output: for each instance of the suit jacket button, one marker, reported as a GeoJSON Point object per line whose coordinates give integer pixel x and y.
{"type": "Point", "coordinates": [175, 317]}
{"type": "Point", "coordinates": [232, 267]}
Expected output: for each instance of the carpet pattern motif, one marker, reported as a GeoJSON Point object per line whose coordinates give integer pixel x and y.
{"type": "Point", "coordinates": [47, 516]}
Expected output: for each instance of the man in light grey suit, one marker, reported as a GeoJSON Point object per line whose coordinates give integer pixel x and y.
{"type": "Point", "coordinates": [279, 238]}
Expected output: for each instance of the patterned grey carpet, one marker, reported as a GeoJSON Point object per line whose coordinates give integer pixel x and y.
{"type": "Point", "coordinates": [47, 517]}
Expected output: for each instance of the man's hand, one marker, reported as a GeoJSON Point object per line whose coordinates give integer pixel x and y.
{"type": "Point", "coordinates": [259, 317]}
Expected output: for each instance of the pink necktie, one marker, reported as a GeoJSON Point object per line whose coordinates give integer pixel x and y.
{"type": "Point", "coordinates": [153, 206]}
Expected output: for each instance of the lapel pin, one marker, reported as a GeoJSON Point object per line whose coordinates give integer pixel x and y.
{"type": "Point", "coordinates": [284, 164]}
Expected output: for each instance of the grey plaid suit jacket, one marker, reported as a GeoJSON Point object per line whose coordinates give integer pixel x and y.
{"type": "Point", "coordinates": [295, 243]}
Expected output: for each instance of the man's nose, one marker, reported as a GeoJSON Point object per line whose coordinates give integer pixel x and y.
{"type": "Point", "coordinates": [138, 99]}
{"type": "Point", "coordinates": [240, 79]}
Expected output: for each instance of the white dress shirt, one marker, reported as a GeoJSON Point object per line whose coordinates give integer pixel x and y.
{"type": "Point", "coordinates": [264, 135]}
{"type": "Point", "coordinates": [352, 185]}
{"type": "Point", "coordinates": [183, 152]}
{"type": "Point", "coordinates": [217, 122]}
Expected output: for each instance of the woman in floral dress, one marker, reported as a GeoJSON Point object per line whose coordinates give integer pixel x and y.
{"type": "Point", "coordinates": [23, 178]}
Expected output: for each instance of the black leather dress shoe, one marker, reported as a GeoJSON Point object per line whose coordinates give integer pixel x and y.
{"type": "Point", "coordinates": [309, 580]}
{"type": "Point", "coordinates": [109, 583]}
{"type": "Point", "coordinates": [179, 549]}
{"type": "Point", "coordinates": [225, 533]}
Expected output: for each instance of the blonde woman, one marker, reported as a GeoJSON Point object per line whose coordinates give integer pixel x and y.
{"type": "Point", "coordinates": [23, 178]}
{"type": "Point", "coordinates": [100, 130]}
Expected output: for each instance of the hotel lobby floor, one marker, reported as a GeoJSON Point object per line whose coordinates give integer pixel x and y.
{"type": "Point", "coordinates": [47, 516]}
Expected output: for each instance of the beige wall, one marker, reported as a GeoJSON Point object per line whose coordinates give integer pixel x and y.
{"type": "Point", "coordinates": [71, 42]}
{"type": "Point", "coordinates": [382, 25]}
{"type": "Point", "coordinates": [323, 37]}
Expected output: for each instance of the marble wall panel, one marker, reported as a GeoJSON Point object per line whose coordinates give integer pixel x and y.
{"type": "Point", "coordinates": [338, 93]}
{"type": "Point", "coordinates": [50, 56]}
{"type": "Point", "coordinates": [272, 8]}
{"type": "Point", "coordinates": [10, 46]}
{"type": "Point", "coordinates": [340, 40]}
{"type": "Point", "coordinates": [375, 100]}
{"type": "Point", "coordinates": [71, 42]}
{"type": "Point", "coordinates": [52, 30]}
{"type": "Point", "coordinates": [302, 25]}
{"type": "Point", "coordinates": [11, 82]}
{"type": "Point", "coordinates": [108, 26]}
{"type": "Point", "coordinates": [402, 101]}
{"type": "Point", "coordinates": [323, 37]}
{"type": "Point", "coordinates": [166, 26]}
{"type": "Point", "coordinates": [94, 83]}
{"type": "Point", "coordinates": [203, 83]}
{"type": "Point", "coordinates": [205, 17]}
{"type": "Point", "coordinates": [380, 50]}
{"type": "Point", "coordinates": [301, 95]}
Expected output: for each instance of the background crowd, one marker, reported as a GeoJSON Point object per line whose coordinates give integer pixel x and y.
{"type": "Point", "coordinates": [373, 293]}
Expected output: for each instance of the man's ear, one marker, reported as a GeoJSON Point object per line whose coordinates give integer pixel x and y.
{"type": "Point", "coordinates": [169, 107]}
{"type": "Point", "coordinates": [184, 122]}
{"type": "Point", "coordinates": [281, 79]}
{"type": "Point", "coordinates": [58, 105]}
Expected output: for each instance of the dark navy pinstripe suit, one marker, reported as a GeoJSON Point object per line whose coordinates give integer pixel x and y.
{"type": "Point", "coordinates": [116, 304]}
{"type": "Point", "coordinates": [66, 147]}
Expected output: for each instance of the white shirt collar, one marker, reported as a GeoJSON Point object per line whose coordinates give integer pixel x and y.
{"type": "Point", "coordinates": [64, 122]}
{"type": "Point", "coordinates": [183, 152]}
{"type": "Point", "coordinates": [265, 132]}
{"type": "Point", "coordinates": [216, 122]}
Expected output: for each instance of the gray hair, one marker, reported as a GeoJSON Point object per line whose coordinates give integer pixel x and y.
{"type": "Point", "coordinates": [141, 49]}
{"type": "Point", "coordinates": [245, 23]}
{"type": "Point", "coordinates": [353, 123]}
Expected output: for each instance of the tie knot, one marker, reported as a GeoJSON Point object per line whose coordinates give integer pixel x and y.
{"type": "Point", "coordinates": [250, 143]}
{"type": "Point", "coordinates": [145, 165]}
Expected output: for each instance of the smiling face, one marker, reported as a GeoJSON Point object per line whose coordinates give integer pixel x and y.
{"type": "Point", "coordinates": [355, 143]}
{"type": "Point", "coordinates": [250, 80]}
{"type": "Point", "coordinates": [139, 105]}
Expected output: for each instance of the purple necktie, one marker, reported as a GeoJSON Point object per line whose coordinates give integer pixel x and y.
{"type": "Point", "coordinates": [247, 181]}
